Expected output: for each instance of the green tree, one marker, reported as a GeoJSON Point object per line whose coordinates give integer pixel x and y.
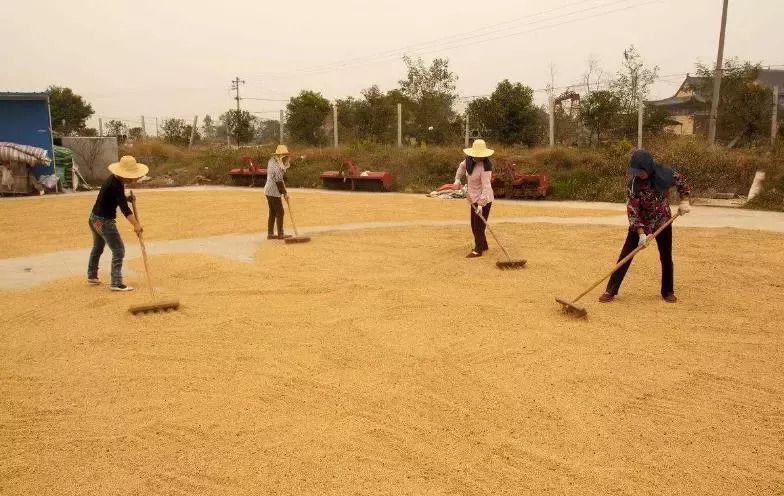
{"type": "Point", "coordinates": [135, 134]}
{"type": "Point", "coordinates": [208, 128]}
{"type": "Point", "coordinates": [632, 82]}
{"type": "Point", "coordinates": [599, 111]}
{"type": "Point", "coordinates": [268, 131]}
{"type": "Point", "coordinates": [508, 116]}
{"type": "Point", "coordinates": [69, 111]}
{"type": "Point", "coordinates": [117, 129]}
{"type": "Point", "coordinates": [175, 131]}
{"type": "Point", "coordinates": [241, 124]}
{"type": "Point", "coordinates": [432, 93]}
{"type": "Point", "coordinates": [744, 103]}
{"type": "Point", "coordinates": [306, 114]}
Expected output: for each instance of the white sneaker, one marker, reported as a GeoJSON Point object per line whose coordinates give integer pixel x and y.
{"type": "Point", "coordinates": [122, 287]}
{"type": "Point", "coordinates": [94, 282]}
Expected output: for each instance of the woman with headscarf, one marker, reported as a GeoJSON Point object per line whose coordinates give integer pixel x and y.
{"type": "Point", "coordinates": [275, 188]}
{"type": "Point", "coordinates": [477, 169]}
{"type": "Point", "coordinates": [648, 208]}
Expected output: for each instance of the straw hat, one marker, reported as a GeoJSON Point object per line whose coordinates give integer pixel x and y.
{"type": "Point", "coordinates": [128, 168]}
{"type": "Point", "coordinates": [281, 150]}
{"type": "Point", "coordinates": [478, 149]}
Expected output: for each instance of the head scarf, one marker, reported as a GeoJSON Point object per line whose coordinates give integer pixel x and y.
{"type": "Point", "coordinates": [471, 162]}
{"type": "Point", "coordinates": [658, 176]}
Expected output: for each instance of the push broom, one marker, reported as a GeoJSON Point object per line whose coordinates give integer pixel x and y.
{"type": "Point", "coordinates": [153, 306]}
{"type": "Point", "coordinates": [509, 263]}
{"type": "Point", "coordinates": [572, 308]}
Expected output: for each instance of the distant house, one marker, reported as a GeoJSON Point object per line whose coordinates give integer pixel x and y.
{"type": "Point", "coordinates": [24, 119]}
{"type": "Point", "coordinates": [692, 110]}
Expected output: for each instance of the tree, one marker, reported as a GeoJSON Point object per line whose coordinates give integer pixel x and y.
{"type": "Point", "coordinates": [69, 111]}
{"type": "Point", "coordinates": [208, 128]}
{"type": "Point", "coordinates": [431, 91]}
{"type": "Point", "coordinates": [88, 132]}
{"type": "Point", "coordinates": [241, 125]}
{"type": "Point", "coordinates": [175, 131]}
{"type": "Point", "coordinates": [136, 134]}
{"type": "Point", "coordinates": [306, 114]}
{"type": "Point", "coordinates": [509, 114]}
{"type": "Point", "coordinates": [268, 131]}
{"type": "Point", "coordinates": [599, 111]}
{"type": "Point", "coordinates": [117, 129]}
{"type": "Point", "coordinates": [744, 103]}
{"type": "Point", "coordinates": [633, 81]}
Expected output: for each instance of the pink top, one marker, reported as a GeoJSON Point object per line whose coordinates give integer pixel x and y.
{"type": "Point", "coordinates": [480, 189]}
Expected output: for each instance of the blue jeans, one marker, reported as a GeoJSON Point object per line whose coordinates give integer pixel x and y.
{"type": "Point", "coordinates": [105, 233]}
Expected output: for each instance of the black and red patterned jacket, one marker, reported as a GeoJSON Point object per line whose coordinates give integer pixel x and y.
{"type": "Point", "coordinates": [649, 209]}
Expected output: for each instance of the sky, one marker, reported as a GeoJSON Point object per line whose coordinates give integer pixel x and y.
{"type": "Point", "coordinates": [177, 58]}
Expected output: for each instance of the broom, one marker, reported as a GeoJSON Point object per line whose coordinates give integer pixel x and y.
{"type": "Point", "coordinates": [153, 306]}
{"type": "Point", "coordinates": [509, 263]}
{"type": "Point", "coordinates": [572, 308]}
{"type": "Point", "coordinates": [296, 238]}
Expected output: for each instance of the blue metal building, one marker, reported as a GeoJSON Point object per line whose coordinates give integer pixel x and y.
{"type": "Point", "coordinates": [25, 119]}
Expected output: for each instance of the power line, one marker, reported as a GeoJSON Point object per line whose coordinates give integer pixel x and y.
{"type": "Point", "coordinates": [483, 37]}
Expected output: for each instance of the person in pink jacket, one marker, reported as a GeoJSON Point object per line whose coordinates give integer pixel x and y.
{"type": "Point", "coordinates": [477, 170]}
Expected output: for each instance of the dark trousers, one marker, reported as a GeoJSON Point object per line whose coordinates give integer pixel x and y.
{"type": "Point", "coordinates": [105, 233]}
{"type": "Point", "coordinates": [478, 227]}
{"type": "Point", "coordinates": [275, 215]}
{"type": "Point", "coordinates": [664, 244]}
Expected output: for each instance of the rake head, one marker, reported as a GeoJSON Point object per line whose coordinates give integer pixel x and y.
{"type": "Point", "coordinates": [158, 306]}
{"type": "Point", "coordinates": [572, 308]}
{"type": "Point", "coordinates": [296, 239]}
{"type": "Point", "coordinates": [511, 264]}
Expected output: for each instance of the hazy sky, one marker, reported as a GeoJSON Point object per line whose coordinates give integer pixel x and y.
{"type": "Point", "coordinates": [177, 58]}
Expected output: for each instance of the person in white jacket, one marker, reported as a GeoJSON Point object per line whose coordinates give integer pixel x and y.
{"type": "Point", "coordinates": [477, 169]}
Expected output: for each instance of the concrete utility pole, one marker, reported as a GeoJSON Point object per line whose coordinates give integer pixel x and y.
{"type": "Point", "coordinates": [399, 124]}
{"type": "Point", "coordinates": [100, 127]}
{"type": "Point", "coordinates": [235, 85]}
{"type": "Point", "coordinates": [144, 129]}
{"type": "Point", "coordinates": [774, 125]}
{"type": "Point", "coordinates": [193, 130]}
{"type": "Point", "coordinates": [717, 79]}
{"type": "Point", "coordinates": [335, 123]}
{"type": "Point", "coordinates": [552, 121]}
{"type": "Point", "coordinates": [281, 127]}
{"type": "Point", "coordinates": [640, 115]}
{"type": "Point", "coordinates": [466, 128]}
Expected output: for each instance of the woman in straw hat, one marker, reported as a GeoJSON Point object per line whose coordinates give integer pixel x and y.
{"type": "Point", "coordinates": [478, 172]}
{"type": "Point", "coordinates": [274, 189]}
{"type": "Point", "coordinates": [102, 219]}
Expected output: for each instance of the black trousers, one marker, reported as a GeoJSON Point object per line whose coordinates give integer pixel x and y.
{"type": "Point", "coordinates": [478, 227]}
{"type": "Point", "coordinates": [664, 244]}
{"type": "Point", "coordinates": [275, 215]}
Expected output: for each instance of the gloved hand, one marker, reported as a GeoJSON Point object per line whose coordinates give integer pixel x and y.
{"type": "Point", "coordinates": [684, 207]}
{"type": "Point", "coordinates": [644, 240]}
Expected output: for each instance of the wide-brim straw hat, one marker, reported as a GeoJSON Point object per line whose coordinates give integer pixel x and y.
{"type": "Point", "coordinates": [129, 168]}
{"type": "Point", "coordinates": [478, 149]}
{"type": "Point", "coordinates": [281, 150]}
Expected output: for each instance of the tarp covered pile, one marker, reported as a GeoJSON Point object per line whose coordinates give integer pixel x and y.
{"type": "Point", "coordinates": [30, 155]}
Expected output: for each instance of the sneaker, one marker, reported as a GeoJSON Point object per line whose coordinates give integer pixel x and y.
{"type": "Point", "coordinates": [606, 297]}
{"type": "Point", "coordinates": [122, 287]}
{"type": "Point", "coordinates": [670, 298]}
{"type": "Point", "coordinates": [94, 281]}
{"type": "Point", "coordinates": [473, 254]}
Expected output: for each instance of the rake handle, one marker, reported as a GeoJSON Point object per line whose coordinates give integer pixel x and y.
{"type": "Point", "coordinates": [291, 214]}
{"type": "Point", "coordinates": [628, 257]}
{"type": "Point", "coordinates": [141, 244]}
{"type": "Point", "coordinates": [479, 214]}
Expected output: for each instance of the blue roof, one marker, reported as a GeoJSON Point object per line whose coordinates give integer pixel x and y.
{"type": "Point", "coordinates": [8, 95]}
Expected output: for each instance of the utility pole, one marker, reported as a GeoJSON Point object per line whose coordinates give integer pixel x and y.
{"type": "Point", "coordinates": [552, 120]}
{"type": "Point", "coordinates": [335, 122]}
{"type": "Point", "coordinates": [774, 129]}
{"type": "Point", "coordinates": [193, 131]}
{"type": "Point", "coordinates": [100, 126]}
{"type": "Point", "coordinates": [399, 124]}
{"type": "Point", "coordinates": [281, 127]}
{"type": "Point", "coordinates": [466, 127]}
{"type": "Point", "coordinates": [144, 129]}
{"type": "Point", "coordinates": [157, 129]}
{"type": "Point", "coordinates": [640, 114]}
{"type": "Point", "coordinates": [235, 86]}
{"type": "Point", "coordinates": [717, 79]}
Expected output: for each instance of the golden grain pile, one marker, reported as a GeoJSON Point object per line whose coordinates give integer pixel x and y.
{"type": "Point", "coordinates": [183, 215]}
{"type": "Point", "coordinates": [383, 362]}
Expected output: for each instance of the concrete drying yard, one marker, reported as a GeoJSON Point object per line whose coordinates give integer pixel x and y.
{"type": "Point", "coordinates": [377, 360]}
